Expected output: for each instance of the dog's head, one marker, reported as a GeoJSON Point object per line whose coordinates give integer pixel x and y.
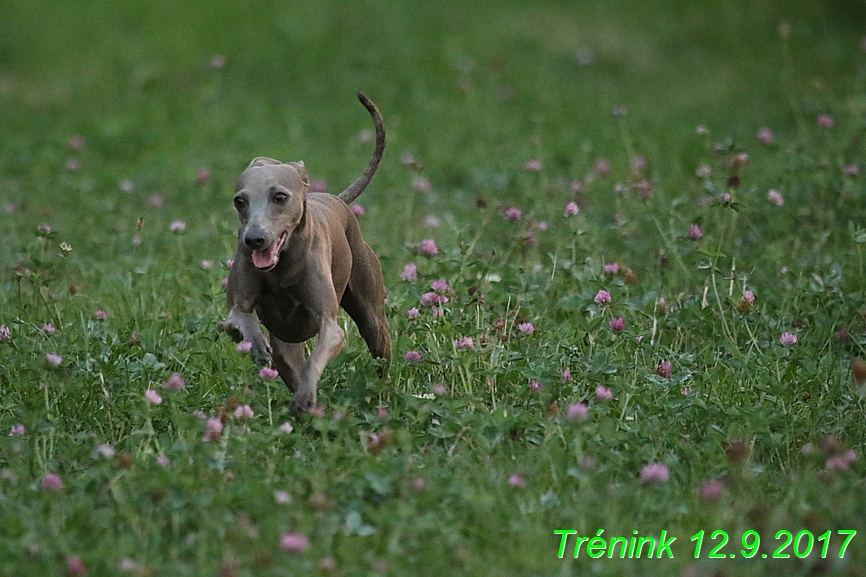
{"type": "Point", "coordinates": [271, 200]}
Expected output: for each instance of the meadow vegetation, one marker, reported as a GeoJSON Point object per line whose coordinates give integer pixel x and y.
{"type": "Point", "coordinates": [623, 245]}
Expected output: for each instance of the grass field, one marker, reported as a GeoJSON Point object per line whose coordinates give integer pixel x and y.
{"type": "Point", "coordinates": [650, 221]}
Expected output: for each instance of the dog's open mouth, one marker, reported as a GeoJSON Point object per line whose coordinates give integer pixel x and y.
{"type": "Point", "coordinates": [267, 258]}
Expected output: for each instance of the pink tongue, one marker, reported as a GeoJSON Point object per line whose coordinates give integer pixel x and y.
{"type": "Point", "coordinates": [265, 257]}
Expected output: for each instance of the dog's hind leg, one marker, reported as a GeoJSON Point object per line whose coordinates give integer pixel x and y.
{"type": "Point", "coordinates": [371, 322]}
{"type": "Point", "coordinates": [288, 360]}
{"type": "Point", "coordinates": [364, 300]}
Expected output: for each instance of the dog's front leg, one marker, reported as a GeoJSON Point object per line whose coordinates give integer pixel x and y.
{"type": "Point", "coordinates": [244, 326]}
{"type": "Point", "coordinates": [244, 286]}
{"type": "Point", "coordinates": [328, 344]}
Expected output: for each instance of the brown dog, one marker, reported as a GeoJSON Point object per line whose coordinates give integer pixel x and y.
{"type": "Point", "coordinates": [300, 255]}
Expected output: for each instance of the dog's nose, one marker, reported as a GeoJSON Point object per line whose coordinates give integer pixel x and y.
{"type": "Point", "coordinates": [254, 238]}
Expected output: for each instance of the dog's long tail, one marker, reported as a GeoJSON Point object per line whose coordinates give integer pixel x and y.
{"type": "Point", "coordinates": [357, 187]}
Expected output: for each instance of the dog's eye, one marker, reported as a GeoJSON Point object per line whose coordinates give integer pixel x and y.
{"type": "Point", "coordinates": [240, 203]}
{"type": "Point", "coordinates": [281, 197]}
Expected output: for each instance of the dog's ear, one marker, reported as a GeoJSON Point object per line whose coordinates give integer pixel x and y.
{"type": "Point", "coordinates": [263, 161]}
{"type": "Point", "coordinates": [302, 171]}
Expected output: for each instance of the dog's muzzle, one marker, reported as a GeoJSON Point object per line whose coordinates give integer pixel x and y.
{"type": "Point", "coordinates": [264, 257]}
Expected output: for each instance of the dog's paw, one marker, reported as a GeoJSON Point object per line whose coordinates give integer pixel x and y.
{"type": "Point", "coordinates": [229, 328]}
{"type": "Point", "coordinates": [261, 354]}
{"type": "Point", "coordinates": [382, 368]}
{"type": "Point", "coordinates": [302, 403]}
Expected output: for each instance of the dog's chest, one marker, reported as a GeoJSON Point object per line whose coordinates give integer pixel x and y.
{"type": "Point", "coordinates": [285, 316]}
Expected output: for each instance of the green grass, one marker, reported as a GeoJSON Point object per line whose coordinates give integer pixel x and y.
{"type": "Point", "coordinates": [454, 465]}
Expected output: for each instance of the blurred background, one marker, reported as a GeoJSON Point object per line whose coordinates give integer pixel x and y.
{"type": "Point", "coordinates": [160, 89]}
